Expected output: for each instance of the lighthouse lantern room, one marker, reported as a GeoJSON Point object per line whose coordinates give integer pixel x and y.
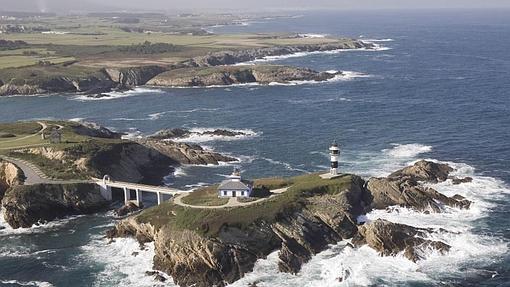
{"type": "Point", "coordinates": [334, 152]}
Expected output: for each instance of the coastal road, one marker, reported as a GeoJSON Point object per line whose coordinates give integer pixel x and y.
{"type": "Point", "coordinates": [33, 175]}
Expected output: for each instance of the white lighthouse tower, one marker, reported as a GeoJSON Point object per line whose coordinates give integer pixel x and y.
{"type": "Point", "coordinates": [334, 152]}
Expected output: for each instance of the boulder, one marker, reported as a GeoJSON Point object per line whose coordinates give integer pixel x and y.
{"type": "Point", "coordinates": [128, 208]}
{"type": "Point", "coordinates": [456, 180]}
{"type": "Point", "coordinates": [390, 239]}
{"type": "Point", "coordinates": [424, 171]}
{"type": "Point", "coordinates": [403, 188]}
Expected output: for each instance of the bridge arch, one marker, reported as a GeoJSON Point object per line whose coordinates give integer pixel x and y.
{"type": "Point", "coordinates": [106, 179]}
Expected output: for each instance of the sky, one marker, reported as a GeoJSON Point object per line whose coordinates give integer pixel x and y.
{"type": "Point", "coordinates": [239, 5]}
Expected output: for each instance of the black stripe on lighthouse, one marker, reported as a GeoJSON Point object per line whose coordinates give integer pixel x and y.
{"type": "Point", "coordinates": [334, 164]}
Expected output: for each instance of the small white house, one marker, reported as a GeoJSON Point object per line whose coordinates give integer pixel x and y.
{"type": "Point", "coordinates": [234, 186]}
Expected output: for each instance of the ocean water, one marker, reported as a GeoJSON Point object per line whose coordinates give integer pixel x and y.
{"type": "Point", "coordinates": [437, 89]}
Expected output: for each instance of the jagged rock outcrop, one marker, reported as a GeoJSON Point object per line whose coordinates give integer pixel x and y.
{"type": "Point", "coordinates": [182, 133]}
{"type": "Point", "coordinates": [134, 76]}
{"type": "Point", "coordinates": [9, 89]}
{"type": "Point", "coordinates": [26, 205]}
{"type": "Point", "coordinates": [234, 57]}
{"type": "Point", "coordinates": [184, 153]}
{"type": "Point", "coordinates": [392, 238]}
{"type": "Point", "coordinates": [95, 82]}
{"type": "Point", "coordinates": [404, 189]}
{"type": "Point", "coordinates": [423, 170]}
{"type": "Point", "coordinates": [231, 75]}
{"type": "Point", "coordinates": [94, 130]}
{"type": "Point", "coordinates": [10, 176]}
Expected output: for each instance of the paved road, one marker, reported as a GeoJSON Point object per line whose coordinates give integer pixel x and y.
{"type": "Point", "coordinates": [34, 175]}
{"type": "Point", "coordinates": [232, 201]}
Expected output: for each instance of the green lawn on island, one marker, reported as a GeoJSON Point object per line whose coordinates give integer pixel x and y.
{"type": "Point", "coordinates": [208, 222]}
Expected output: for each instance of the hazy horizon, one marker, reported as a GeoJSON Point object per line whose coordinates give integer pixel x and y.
{"type": "Point", "coordinates": [64, 6]}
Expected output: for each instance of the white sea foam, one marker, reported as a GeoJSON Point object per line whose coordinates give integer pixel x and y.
{"type": "Point", "coordinates": [179, 172]}
{"type": "Point", "coordinates": [197, 135]}
{"type": "Point", "coordinates": [7, 230]}
{"type": "Point", "coordinates": [407, 150]}
{"type": "Point", "coordinates": [377, 47]}
{"type": "Point", "coordinates": [117, 95]}
{"type": "Point", "coordinates": [124, 263]}
{"type": "Point", "coordinates": [363, 266]}
{"type": "Point", "coordinates": [312, 35]}
{"type": "Point", "coordinates": [27, 283]}
{"type": "Point", "coordinates": [379, 40]}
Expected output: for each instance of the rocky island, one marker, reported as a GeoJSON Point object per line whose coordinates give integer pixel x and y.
{"type": "Point", "coordinates": [216, 246]}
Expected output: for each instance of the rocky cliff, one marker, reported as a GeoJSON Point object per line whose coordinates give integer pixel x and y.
{"type": "Point", "coordinates": [26, 205]}
{"type": "Point", "coordinates": [200, 247]}
{"type": "Point", "coordinates": [10, 176]}
{"type": "Point", "coordinates": [132, 77]}
{"type": "Point", "coordinates": [240, 56]}
{"type": "Point", "coordinates": [78, 79]}
{"type": "Point", "coordinates": [231, 75]}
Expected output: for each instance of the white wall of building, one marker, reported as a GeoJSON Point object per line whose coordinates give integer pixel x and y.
{"type": "Point", "coordinates": [238, 193]}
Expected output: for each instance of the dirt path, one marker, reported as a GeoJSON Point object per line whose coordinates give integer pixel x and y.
{"type": "Point", "coordinates": [232, 201]}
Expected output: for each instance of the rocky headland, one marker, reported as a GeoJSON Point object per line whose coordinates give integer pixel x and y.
{"type": "Point", "coordinates": [232, 75]}
{"type": "Point", "coordinates": [88, 150]}
{"type": "Point", "coordinates": [215, 247]}
{"type": "Point", "coordinates": [90, 81]}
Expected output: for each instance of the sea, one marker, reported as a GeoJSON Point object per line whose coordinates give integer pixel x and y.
{"type": "Point", "coordinates": [437, 88]}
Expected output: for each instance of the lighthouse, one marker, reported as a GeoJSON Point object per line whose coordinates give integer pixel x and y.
{"type": "Point", "coordinates": [334, 151]}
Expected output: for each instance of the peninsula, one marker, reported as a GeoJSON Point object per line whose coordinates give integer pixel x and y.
{"type": "Point", "coordinates": [102, 54]}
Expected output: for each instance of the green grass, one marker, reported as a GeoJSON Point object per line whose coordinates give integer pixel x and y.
{"type": "Point", "coordinates": [20, 128]}
{"type": "Point", "coordinates": [207, 196]}
{"type": "Point", "coordinates": [74, 145]}
{"type": "Point", "coordinates": [208, 222]}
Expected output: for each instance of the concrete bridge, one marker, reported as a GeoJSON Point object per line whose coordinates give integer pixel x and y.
{"type": "Point", "coordinates": [106, 184]}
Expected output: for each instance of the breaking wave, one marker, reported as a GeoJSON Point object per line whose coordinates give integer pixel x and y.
{"type": "Point", "coordinates": [197, 135]}
{"type": "Point", "coordinates": [117, 95]}
{"type": "Point", "coordinates": [342, 265]}
{"type": "Point", "coordinates": [123, 262]}
{"type": "Point", "coordinates": [407, 150]}
{"type": "Point", "coordinates": [25, 283]}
